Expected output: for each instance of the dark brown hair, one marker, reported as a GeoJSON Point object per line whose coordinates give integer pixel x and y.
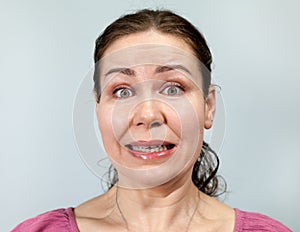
{"type": "Point", "coordinates": [164, 21]}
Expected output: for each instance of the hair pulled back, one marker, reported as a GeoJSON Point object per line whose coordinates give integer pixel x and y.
{"type": "Point", "coordinates": [205, 169]}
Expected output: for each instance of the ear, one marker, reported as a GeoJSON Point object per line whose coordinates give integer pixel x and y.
{"type": "Point", "coordinates": [210, 107]}
{"type": "Point", "coordinates": [97, 101]}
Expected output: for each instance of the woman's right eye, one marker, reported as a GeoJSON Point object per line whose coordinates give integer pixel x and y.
{"type": "Point", "coordinates": [122, 92]}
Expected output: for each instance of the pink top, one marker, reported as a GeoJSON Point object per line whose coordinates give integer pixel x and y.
{"type": "Point", "coordinates": [63, 220]}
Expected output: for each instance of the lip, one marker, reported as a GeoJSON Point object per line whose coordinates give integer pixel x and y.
{"type": "Point", "coordinates": [151, 155]}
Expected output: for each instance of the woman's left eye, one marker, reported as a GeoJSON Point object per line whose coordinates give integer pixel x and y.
{"type": "Point", "coordinates": [173, 90]}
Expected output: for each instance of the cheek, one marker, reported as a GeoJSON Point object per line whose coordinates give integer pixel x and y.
{"type": "Point", "coordinates": [192, 130]}
{"type": "Point", "coordinates": [104, 117]}
{"type": "Point", "coordinates": [193, 117]}
{"type": "Point", "coordinates": [173, 121]}
{"type": "Point", "coordinates": [191, 114]}
{"type": "Point", "coordinates": [198, 104]}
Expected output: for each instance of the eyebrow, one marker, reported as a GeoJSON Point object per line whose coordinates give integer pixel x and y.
{"type": "Point", "coordinates": [160, 69]}
{"type": "Point", "coordinates": [166, 68]}
{"type": "Point", "coordinates": [126, 71]}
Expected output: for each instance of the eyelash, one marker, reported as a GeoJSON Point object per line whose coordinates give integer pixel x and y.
{"type": "Point", "coordinates": [167, 85]}
{"type": "Point", "coordinates": [173, 84]}
{"type": "Point", "coordinates": [122, 87]}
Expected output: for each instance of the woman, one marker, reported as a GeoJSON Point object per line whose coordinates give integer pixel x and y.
{"type": "Point", "coordinates": [153, 100]}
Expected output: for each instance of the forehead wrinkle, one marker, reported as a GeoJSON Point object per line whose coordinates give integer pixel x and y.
{"type": "Point", "coordinates": [160, 69]}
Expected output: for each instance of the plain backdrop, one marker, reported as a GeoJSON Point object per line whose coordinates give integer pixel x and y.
{"type": "Point", "coordinates": [46, 49]}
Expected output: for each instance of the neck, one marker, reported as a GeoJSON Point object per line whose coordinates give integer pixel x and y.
{"type": "Point", "coordinates": [171, 204]}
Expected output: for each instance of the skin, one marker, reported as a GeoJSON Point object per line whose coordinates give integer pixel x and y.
{"type": "Point", "coordinates": [167, 207]}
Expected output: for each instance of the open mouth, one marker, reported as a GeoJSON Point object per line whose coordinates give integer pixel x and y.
{"type": "Point", "coordinates": [150, 149]}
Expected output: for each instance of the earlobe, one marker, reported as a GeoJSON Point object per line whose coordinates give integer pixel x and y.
{"type": "Point", "coordinates": [210, 107]}
{"type": "Point", "coordinates": [97, 100]}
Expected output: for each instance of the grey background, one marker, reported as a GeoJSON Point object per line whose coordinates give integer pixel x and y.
{"type": "Point", "coordinates": [46, 49]}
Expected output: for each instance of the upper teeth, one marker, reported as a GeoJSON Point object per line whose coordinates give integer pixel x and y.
{"type": "Point", "coordinates": [157, 148]}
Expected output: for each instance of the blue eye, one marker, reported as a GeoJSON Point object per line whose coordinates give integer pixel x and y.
{"type": "Point", "coordinates": [123, 93]}
{"type": "Point", "coordinates": [173, 90]}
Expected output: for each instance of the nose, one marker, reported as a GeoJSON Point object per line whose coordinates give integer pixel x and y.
{"type": "Point", "coordinates": [148, 114]}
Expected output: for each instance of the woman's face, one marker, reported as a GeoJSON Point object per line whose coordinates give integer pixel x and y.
{"type": "Point", "coordinates": [151, 115]}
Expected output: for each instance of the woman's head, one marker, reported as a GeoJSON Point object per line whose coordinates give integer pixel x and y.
{"type": "Point", "coordinates": [155, 123]}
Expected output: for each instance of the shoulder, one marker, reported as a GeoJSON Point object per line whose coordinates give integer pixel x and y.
{"type": "Point", "coordinates": [249, 221]}
{"type": "Point", "coordinates": [62, 220]}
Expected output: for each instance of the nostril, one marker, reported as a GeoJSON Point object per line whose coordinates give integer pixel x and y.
{"type": "Point", "coordinates": [155, 124]}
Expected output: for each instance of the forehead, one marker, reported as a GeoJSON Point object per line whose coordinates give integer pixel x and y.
{"type": "Point", "coordinates": [165, 57]}
{"type": "Point", "coordinates": [148, 37]}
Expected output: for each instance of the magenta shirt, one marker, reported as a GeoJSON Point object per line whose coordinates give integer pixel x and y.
{"type": "Point", "coordinates": [63, 220]}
